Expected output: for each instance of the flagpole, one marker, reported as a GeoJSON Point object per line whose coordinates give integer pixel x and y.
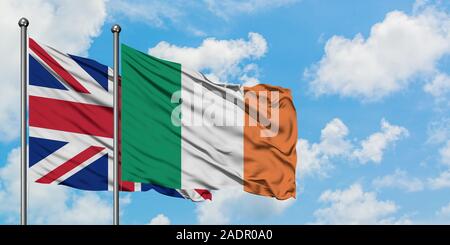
{"type": "Point", "coordinates": [116, 30]}
{"type": "Point", "coordinates": [23, 23]}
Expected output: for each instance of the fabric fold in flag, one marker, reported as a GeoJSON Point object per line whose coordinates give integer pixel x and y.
{"type": "Point", "coordinates": [71, 124]}
{"type": "Point", "coordinates": [181, 130]}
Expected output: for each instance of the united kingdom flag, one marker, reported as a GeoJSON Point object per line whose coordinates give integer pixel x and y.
{"type": "Point", "coordinates": [71, 124]}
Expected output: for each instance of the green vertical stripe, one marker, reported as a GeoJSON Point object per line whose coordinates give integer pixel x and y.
{"type": "Point", "coordinates": [151, 144]}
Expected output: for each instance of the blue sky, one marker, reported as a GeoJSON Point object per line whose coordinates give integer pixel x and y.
{"type": "Point", "coordinates": [370, 80]}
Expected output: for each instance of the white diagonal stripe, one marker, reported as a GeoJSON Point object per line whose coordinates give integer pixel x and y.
{"type": "Point", "coordinates": [79, 167]}
{"type": "Point", "coordinates": [54, 160]}
{"type": "Point", "coordinates": [78, 73]}
{"type": "Point", "coordinates": [50, 70]}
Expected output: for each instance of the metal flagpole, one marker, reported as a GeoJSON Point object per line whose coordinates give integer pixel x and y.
{"type": "Point", "coordinates": [116, 30]}
{"type": "Point", "coordinates": [23, 23]}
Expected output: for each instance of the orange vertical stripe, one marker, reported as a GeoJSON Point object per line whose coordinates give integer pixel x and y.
{"type": "Point", "coordinates": [270, 162]}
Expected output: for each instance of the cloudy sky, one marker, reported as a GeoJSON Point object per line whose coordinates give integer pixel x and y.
{"type": "Point", "coordinates": [371, 84]}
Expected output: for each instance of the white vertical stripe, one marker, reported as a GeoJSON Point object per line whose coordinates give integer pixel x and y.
{"type": "Point", "coordinates": [137, 186]}
{"type": "Point", "coordinates": [212, 155]}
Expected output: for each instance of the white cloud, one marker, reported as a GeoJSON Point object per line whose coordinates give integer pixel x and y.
{"type": "Point", "coordinates": [445, 153]}
{"type": "Point", "coordinates": [441, 181]}
{"type": "Point", "coordinates": [9, 111]}
{"type": "Point", "coordinates": [311, 161]}
{"type": "Point", "coordinates": [228, 8]}
{"type": "Point", "coordinates": [444, 211]}
{"type": "Point", "coordinates": [66, 25]}
{"type": "Point", "coordinates": [87, 208]}
{"type": "Point", "coordinates": [439, 134]}
{"type": "Point", "coordinates": [154, 13]}
{"type": "Point", "coordinates": [439, 131]}
{"type": "Point", "coordinates": [399, 179]}
{"type": "Point", "coordinates": [439, 86]}
{"type": "Point", "coordinates": [227, 65]}
{"type": "Point", "coordinates": [354, 206]}
{"type": "Point", "coordinates": [332, 138]}
{"type": "Point", "coordinates": [314, 159]}
{"type": "Point", "coordinates": [250, 75]}
{"type": "Point", "coordinates": [160, 219]}
{"type": "Point", "coordinates": [236, 206]}
{"type": "Point", "coordinates": [178, 13]}
{"type": "Point", "coordinates": [249, 81]}
{"type": "Point", "coordinates": [397, 49]}
{"type": "Point", "coordinates": [49, 204]}
{"type": "Point", "coordinates": [373, 147]}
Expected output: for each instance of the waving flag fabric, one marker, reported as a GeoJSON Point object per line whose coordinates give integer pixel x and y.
{"type": "Point", "coordinates": [71, 124]}
{"type": "Point", "coordinates": [181, 130]}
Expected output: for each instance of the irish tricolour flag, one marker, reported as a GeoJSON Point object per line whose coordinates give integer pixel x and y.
{"type": "Point", "coordinates": [181, 130]}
